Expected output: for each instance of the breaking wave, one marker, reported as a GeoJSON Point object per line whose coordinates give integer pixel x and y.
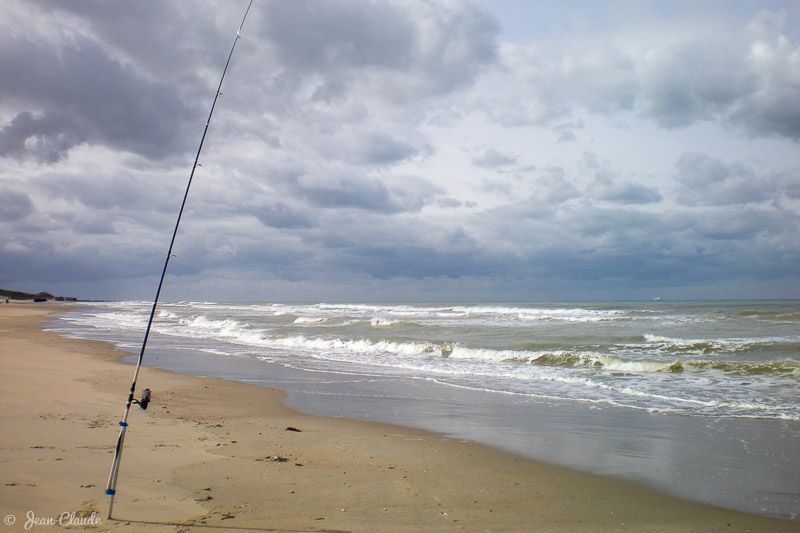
{"type": "Point", "coordinates": [655, 358]}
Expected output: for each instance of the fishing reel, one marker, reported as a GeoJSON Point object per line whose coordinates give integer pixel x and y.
{"type": "Point", "coordinates": [144, 400]}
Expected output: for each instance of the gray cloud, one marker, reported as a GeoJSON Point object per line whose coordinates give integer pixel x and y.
{"type": "Point", "coordinates": [552, 187]}
{"type": "Point", "coordinates": [742, 223]}
{"type": "Point", "coordinates": [180, 41]}
{"type": "Point", "coordinates": [381, 150]}
{"type": "Point", "coordinates": [745, 81]}
{"type": "Point", "coordinates": [789, 182]}
{"type": "Point", "coordinates": [418, 49]}
{"type": "Point", "coordinates": [123, 191]}
{"type": "Point", "coordinates": [419, 262]}
{"type": "Point", "coordinates": [350, 137]}
{"type": "Point", "coordinates": [46, 138]}
{"type": "Point", "coordinates": [348, 190]}
{"type": "Point", "coordinates": [493, 158]}
{"type": "Point", "coordinates": [282, 216]}
{"type": "Point", "coordinates": [686, 82]}
{"type": "Point", "coordinates": [79, 94]}
{"type": "Point", "coordinates": [322, 36]}
{"type": "Point", "coordinates": [371, 149]}
{"type": "Point", "coordinates": [411, 248]}
{"type": "Point", "coordinates": [603, 78]}
{"type": "Point", "coordinates": [604, 188]}
{"type": "Point", "coordinates": [54, 248]}
{"type": "Point", "coordinates": [14, 205]}
{"type": "Point", "coordinates": [566, 136]}
{"type": "Point", "coordinates": [708, 181]}
{"type": "Point", "coordinates": [607, 187]}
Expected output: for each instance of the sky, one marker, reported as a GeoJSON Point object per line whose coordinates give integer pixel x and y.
{"type": "Point", "coordinates": [402, 150]}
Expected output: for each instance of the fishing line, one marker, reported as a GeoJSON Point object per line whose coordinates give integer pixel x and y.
{"type": "Point", "coordinates": [111, 487]}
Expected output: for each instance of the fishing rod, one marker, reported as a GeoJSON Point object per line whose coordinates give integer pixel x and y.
{"type": "Point", "coordinates": [111, 487]}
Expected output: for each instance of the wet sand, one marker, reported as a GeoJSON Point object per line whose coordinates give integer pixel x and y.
{"type": "Point", "coordinates": [221, 453]}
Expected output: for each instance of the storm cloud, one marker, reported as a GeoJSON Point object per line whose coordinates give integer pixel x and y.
{"type": "Point", "coordinates": [446, 149]}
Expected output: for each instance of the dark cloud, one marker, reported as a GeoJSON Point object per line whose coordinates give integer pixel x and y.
{"type": "Point", "coordinates": [418, 262]}
{"type": "Point", "coordinates": [346, 190]}
{"type": "Point", "coordinates": [282, 216]}
{"type": "Point", "coordinates": [381, 149]}
{"type": "Point", "coordinates": [634, 266]}
{"type": "Point", "coordinates": [78, 93]}
{"type": "Point", "coordinates": [64, 256]}
{"type": "Point", "coordinates": [45, 138]}
{"type": "Point", "coordinates": [572, 241]}
{"type": "Point", "coordinates": [411, 248]}
{"type": "Point", "coordinates": [578, 241]}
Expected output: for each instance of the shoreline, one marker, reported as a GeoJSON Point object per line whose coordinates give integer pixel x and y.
{"type": "Point", "coordinates": [211, 451]}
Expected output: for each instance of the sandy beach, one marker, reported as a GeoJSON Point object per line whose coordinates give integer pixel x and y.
{"type": "Point", "coordinates": [211, 452]}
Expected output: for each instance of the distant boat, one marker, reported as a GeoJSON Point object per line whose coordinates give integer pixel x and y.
{"type": "Point", "coordinates": [657, 299]}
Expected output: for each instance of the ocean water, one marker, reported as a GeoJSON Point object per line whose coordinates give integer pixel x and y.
{"type": "Point", "coordinates": [699, 398]}
{"type": "Point", "coordinates": [723, 359]}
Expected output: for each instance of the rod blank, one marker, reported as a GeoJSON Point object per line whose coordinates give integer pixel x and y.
{"type": "Point", "coordinates": [111, 487]}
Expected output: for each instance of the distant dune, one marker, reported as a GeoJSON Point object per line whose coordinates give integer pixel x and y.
{"type": "Point", "coordinates": [38, 297]}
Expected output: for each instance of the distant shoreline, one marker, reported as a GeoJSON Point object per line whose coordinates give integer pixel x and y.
{"type": "Point", "coordinates": [38, 297]}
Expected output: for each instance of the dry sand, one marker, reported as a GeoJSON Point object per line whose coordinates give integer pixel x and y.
{"type": "Point", "coordinates": [210, 452]}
